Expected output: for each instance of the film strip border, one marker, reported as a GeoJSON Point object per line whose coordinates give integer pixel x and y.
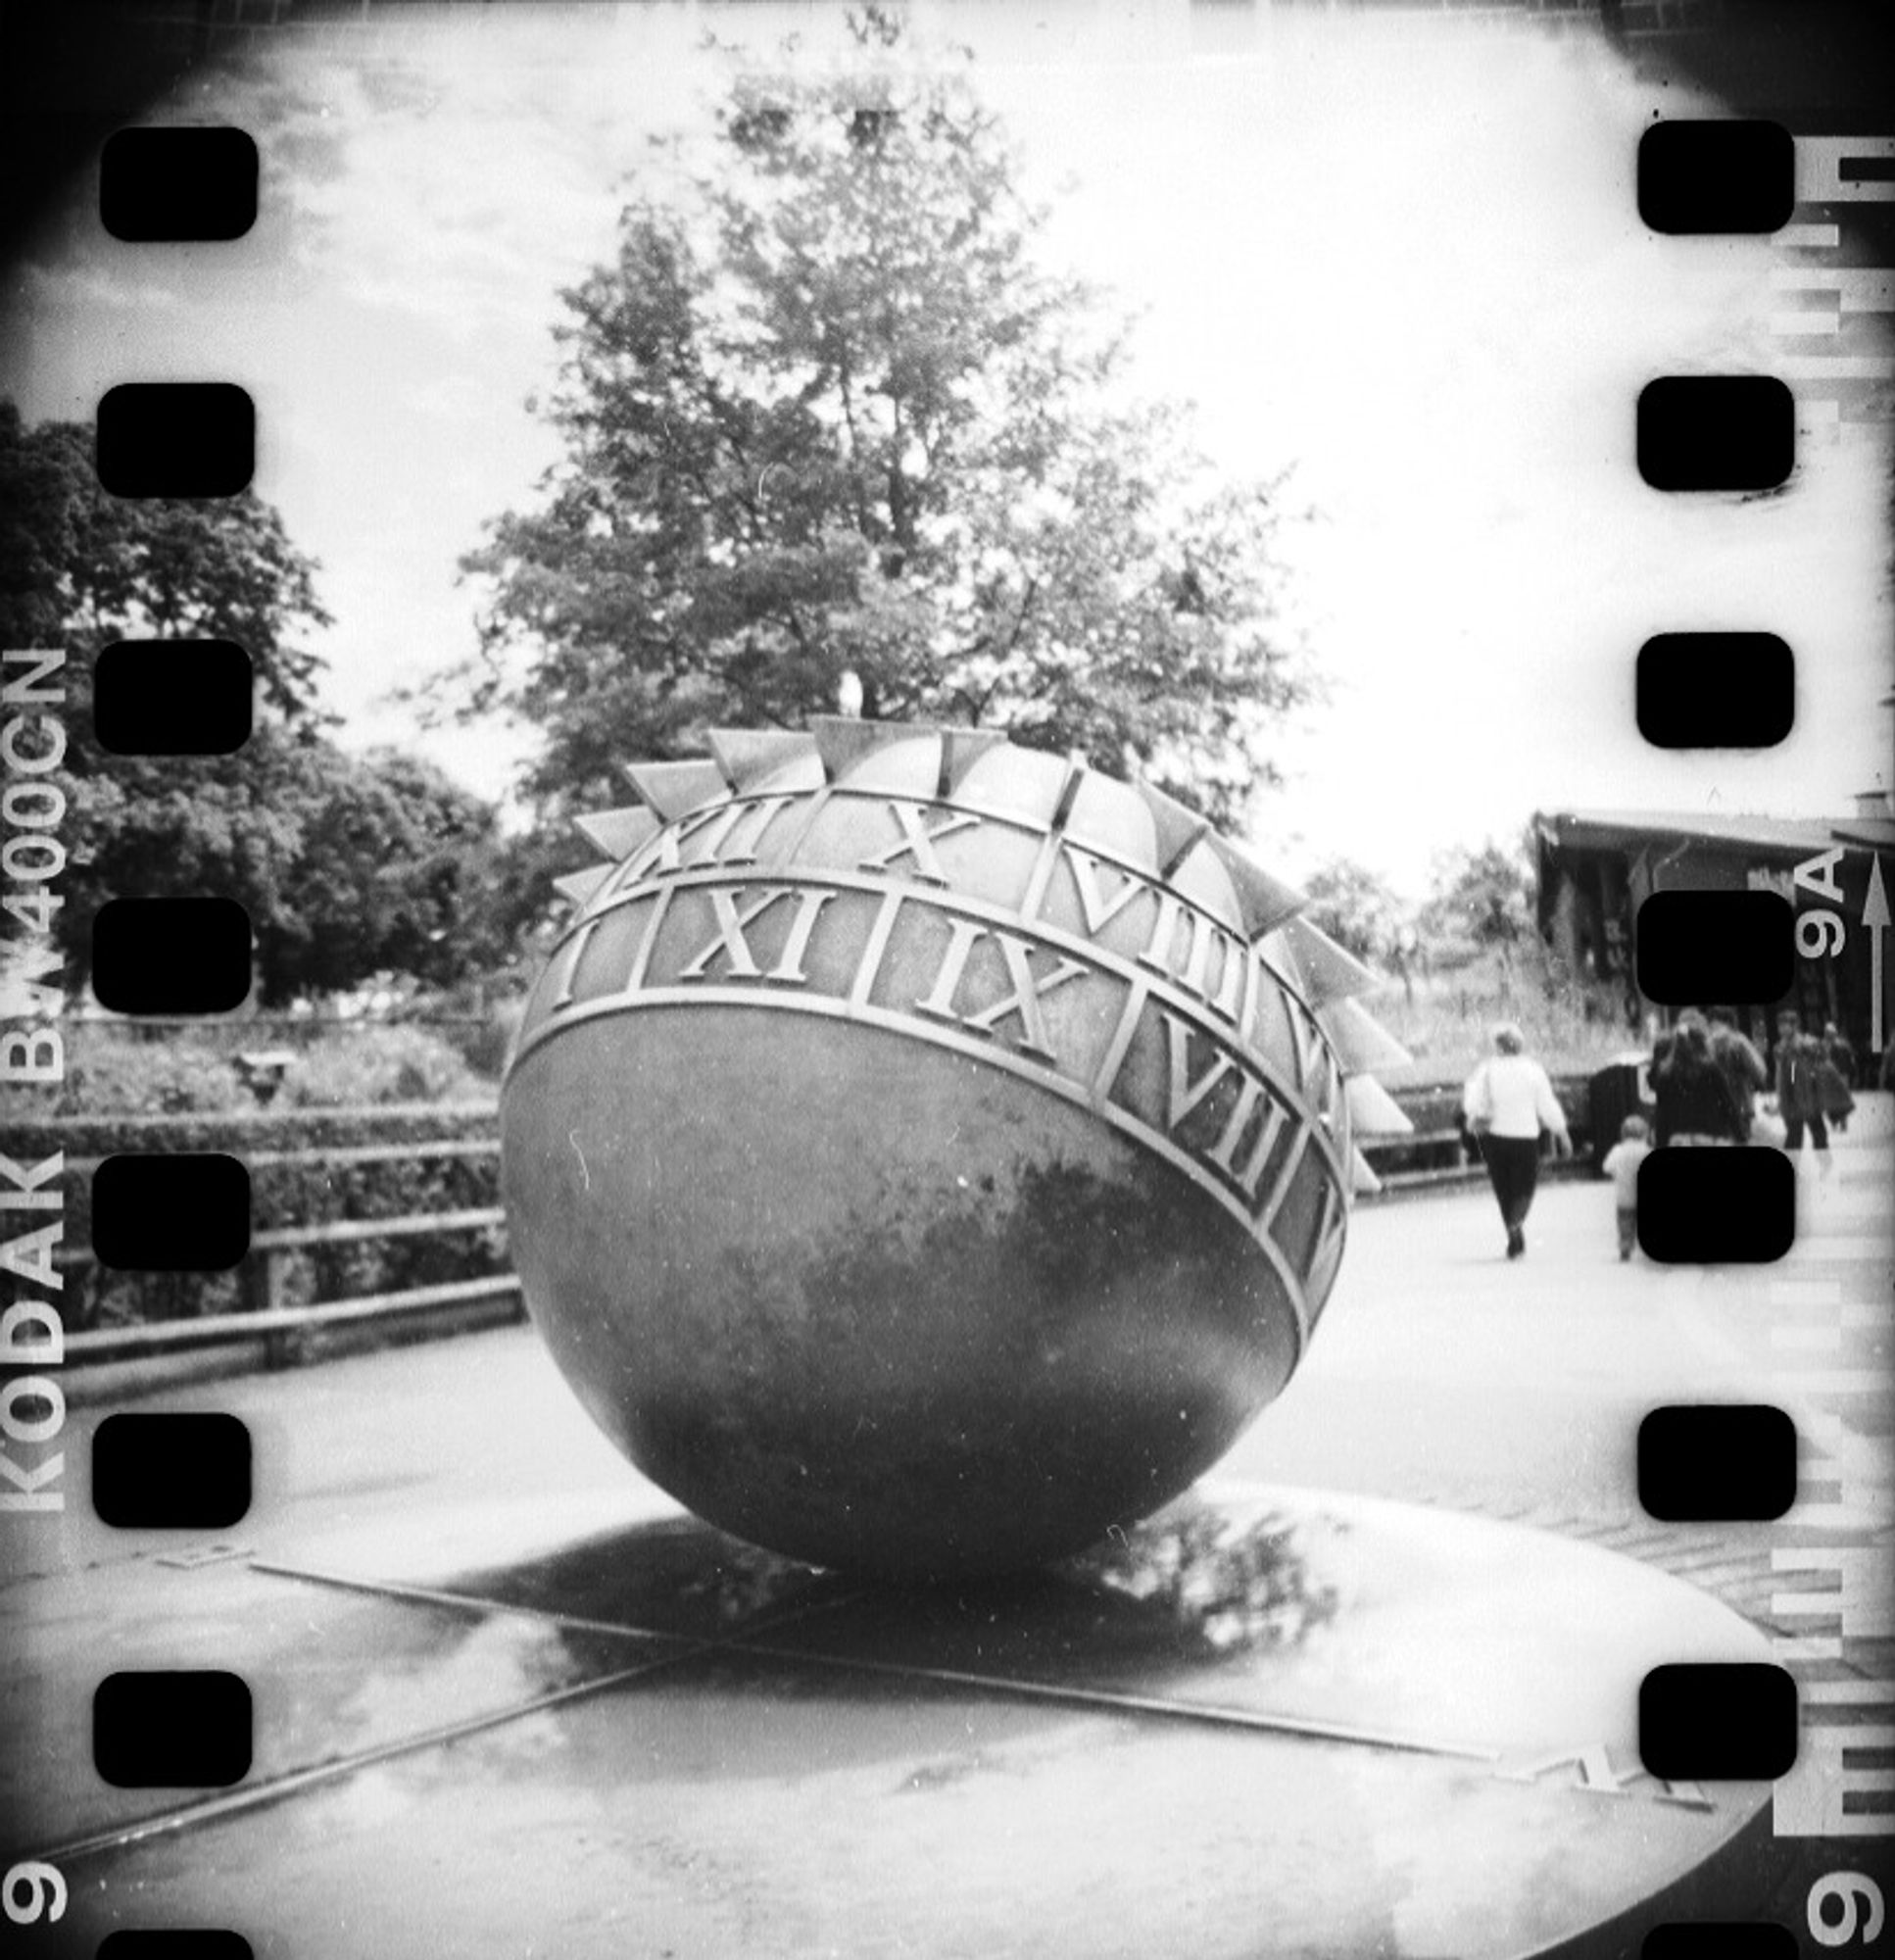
{"type": "Point", "coordinates": [191, 956]}
{"type": "Point", "coordinates": [1737, 433]}
{"type": "Point", "coordinates": [157, 697]}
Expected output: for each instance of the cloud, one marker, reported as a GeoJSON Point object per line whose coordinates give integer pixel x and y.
{"type": "Point", "coordinates": [1402, 254]}
{"type": "Point", "coordinates": [94, 285]}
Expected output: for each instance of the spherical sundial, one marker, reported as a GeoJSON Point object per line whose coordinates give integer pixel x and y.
{"type": "Point", "coordinates": [923, 1153]}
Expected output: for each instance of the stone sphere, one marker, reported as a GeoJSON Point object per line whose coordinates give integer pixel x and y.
{"type": "Point", "coordinates": [921, 1153]}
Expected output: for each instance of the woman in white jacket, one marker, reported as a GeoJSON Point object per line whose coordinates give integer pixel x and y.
{"type": "Point", "coordinates": [1509, 1101]}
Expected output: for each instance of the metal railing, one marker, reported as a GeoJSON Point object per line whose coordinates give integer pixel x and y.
{"type": "Point", "coordinates": [270, 1318]}
{"type": "Point", "coordinates": [283, 1328]}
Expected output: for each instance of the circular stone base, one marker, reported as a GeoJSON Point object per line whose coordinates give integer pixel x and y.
{"type": "Point", "coordinates": [1277, 1721]}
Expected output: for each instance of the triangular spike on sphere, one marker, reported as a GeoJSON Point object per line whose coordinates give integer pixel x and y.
{"type": "Point", "coordinates": [841, 739]}
{"type": "Point", "coordinates": [617, 833]}
{"type": "Point", "coordinates": [961, 749]}
{"type": "Point", "coordinates": [579, 886]}
{"type": "Point", "coordinates": [1372, 1112]}
{"type": "Point", "coordinates": [1263, 901]}
{"type": "Point", "coordinates": [1363, 1181]}
{"type": "Point", "coordinates": [673, 788]}
{"type": "Point", "coordinates": [1362, 1045]}
{"type": "Point", "coordinates": [1179, 829]}
{"type": "Point", "coordinates": [747, 755]}
{"type": "Point", "coordinates": [1329, 973]}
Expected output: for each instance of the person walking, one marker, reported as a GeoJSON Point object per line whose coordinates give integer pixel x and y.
{"type": "Point", "coordinates": [1509, 1102]}
{"type": "Point", "coordinates": [1836, 1077]}
{"type": "Point", "coordinates": [1799, 1089]}
{"type": "Point", "coordinates": [1841, 1052]}
{"type": "Point", "coordinates": [1695, 1102]}
{"type": "Point", "coordinates": [1737, 1059]}
{"type": "Point", "coordinates": [1835, 1094]}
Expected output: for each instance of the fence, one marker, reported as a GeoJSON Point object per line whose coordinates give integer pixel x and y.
{"type": "Point", "coordinates": [283, 1329]}
{"type": "Point", "coordinates": [1430, 1159]}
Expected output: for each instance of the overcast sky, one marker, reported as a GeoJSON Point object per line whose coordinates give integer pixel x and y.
{"type": "Point", "coordinates": [1402, 254]}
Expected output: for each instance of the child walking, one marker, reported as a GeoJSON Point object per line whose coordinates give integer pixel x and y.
{"type": "Point", "coordinates": [1620, 1165]}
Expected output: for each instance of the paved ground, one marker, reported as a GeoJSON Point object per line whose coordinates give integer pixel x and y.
{"type": "Point", "coordinates": [1442, 1375]}
{"type": "Point", "coordinates": [1445, 1374]}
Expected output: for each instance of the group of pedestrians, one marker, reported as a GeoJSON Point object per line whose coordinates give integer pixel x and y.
{"type": "Point", "coordinates": [1814, 1083]}
{"type": "Point", "coordinates": [1706, 1078]}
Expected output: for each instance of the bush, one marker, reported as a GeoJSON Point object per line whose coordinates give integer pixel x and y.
{"type": "Point", "coordinates": [1446, 1021]}
{"type": "Point", "coordinates": [397, 1062]}
{"type": "Point", "coordinates": [286, 1193]}
{"type": "Point", "coordinates": [485, 1040]}
{"type": "Point", "coordinates": [111, 1069]}
{"type": "Point", "coordinates": [416, 1183]}
{"type": "Point", "coordinates": [107, 1070]}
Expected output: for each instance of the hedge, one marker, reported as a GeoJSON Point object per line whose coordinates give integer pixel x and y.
{"type": "Point", "coordinates": [192, 1067]}
{"type": "Point", "coordinates": [284, 1194]}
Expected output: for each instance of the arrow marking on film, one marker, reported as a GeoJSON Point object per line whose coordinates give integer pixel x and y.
{"type": "Point", "coordinates": [1875, 917]}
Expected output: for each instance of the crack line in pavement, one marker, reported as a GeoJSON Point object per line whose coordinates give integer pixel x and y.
{"type": "Point", "coordinates": [744, 1641]}
{"type": "Point", "coordinates": [462, 1601]}
{"type": "Point", "coordinates": [1134, 1704]}
{"type": "Point", "coordinates": [255, 1795]}
{"type": "Point", "coordinates": [473, 1602]}
{"type": "Point", "coordinates": [251, 1796]}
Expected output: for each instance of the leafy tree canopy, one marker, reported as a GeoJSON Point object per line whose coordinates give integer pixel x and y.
{"type": "Point", "coordinates": [393, 871]}
{"type": "Point", "coordinates": [1479, 900]}
{"type": "Point", "coordinates": [80, 569]}
{"type": "Point", "coordinates": [346, 867]}
{"type": "Point", "coordinates": [826, 414]}
{"type": "Point", "coordinates": [1354, 907]}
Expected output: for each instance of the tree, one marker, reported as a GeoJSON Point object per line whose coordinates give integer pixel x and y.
{"type": "Point", "coordinates": [80, 569]}
{"type": "Point", "coordinates": [393, 872]}
{"type": "Point", "coordinates": [1353, 906]}
{"type": "Point", "coordinates": [825, 415]}
{"type": "Point", "coordinates": [344, 868]}
{"type": "Point", "coordinates": [1481, 901]}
